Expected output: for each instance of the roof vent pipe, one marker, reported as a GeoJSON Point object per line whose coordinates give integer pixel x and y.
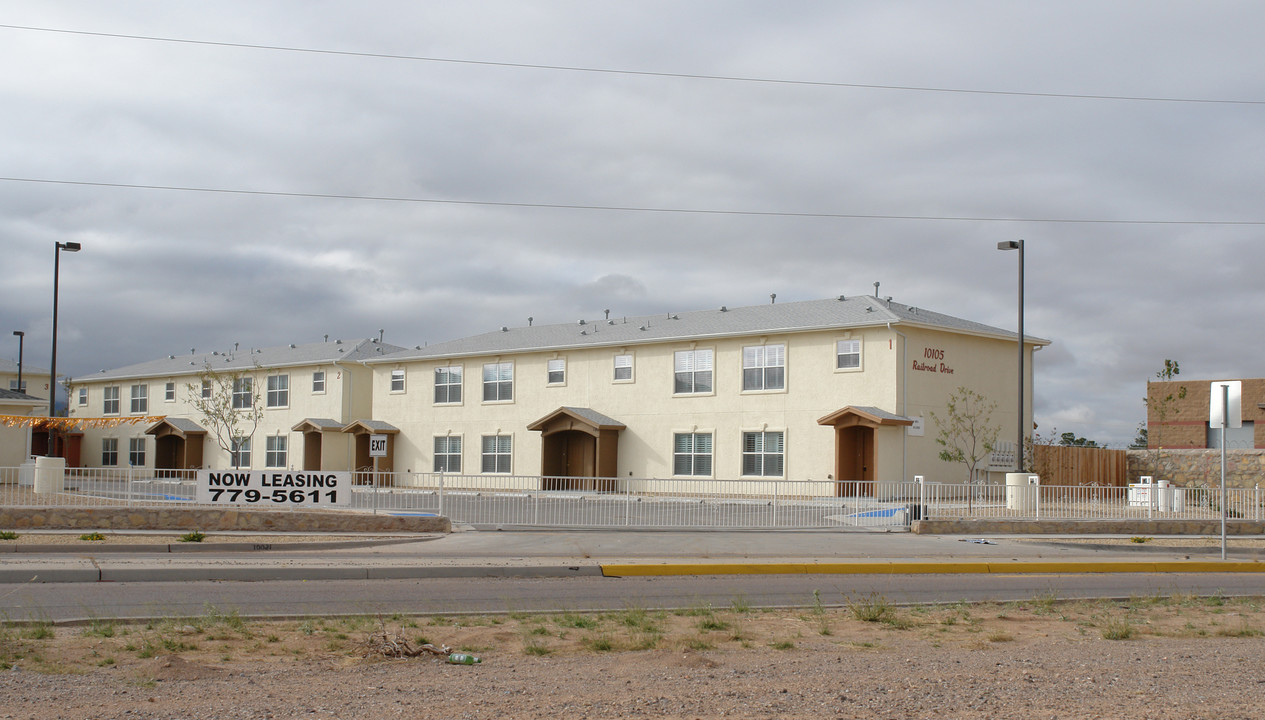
{"type": "Point", "coordinates": [608, 313]}
{"type": "Point", "coordinates": [772, 298]}
{"type": "Point", "coordinates": [529, 321]}
{"type": "Point", "coordinates": [381, 333]}
{"type": "Point", "coordinates": [876, 289]}
{"type": "Point", "coordinates": [326, 337]}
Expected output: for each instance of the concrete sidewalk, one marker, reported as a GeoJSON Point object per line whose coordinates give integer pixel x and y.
{"type": "Point", "coordinates": [569, 553]}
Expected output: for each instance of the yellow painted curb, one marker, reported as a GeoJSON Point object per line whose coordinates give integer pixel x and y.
{"type": "Point", "coordinates": [940, 568]}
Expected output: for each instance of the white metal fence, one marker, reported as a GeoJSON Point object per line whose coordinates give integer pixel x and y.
{"type": "Point", "coordinates": [670, 503]}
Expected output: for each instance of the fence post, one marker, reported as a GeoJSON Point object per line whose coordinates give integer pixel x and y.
{"type": "Point", "coordinates": [129, 485]}
{"type": "Point", "coordinates": [441, 493]}
{"type": "Point", "coordinates": [776, 487]}
{"type": "Point", "coordinates": [374, 486]}
{"type": "Point", "coordinates": [922, 497]}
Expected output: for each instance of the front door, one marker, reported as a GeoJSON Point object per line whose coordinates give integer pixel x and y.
{"type": "Point", "coordinates": [569, 454]}
{"type": "Point", "coordinates": [854, 461]}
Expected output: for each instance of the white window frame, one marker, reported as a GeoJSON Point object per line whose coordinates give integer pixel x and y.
{"type": "Point", "coordinates": [83, 396]}
{"type": "Point", "coordinates": [693, 453]}
{"type": "Point", "coordinates": [689, 370]}
{"type": "Point", "coordinates": [760, 451]}
{"type": "Point", "coordinates": [243, 393]}
{"type": "Point", "coordinates": [449, 388]}
{"type": "Point", "coordinates": [136, 452]}
{"type": "Point", "coordinates": [318, 382]}
{"type": "Point", "coordinates": [556, 371]}
{"type": "Point", "coordinates": [139, 399]}
{"type": "Point", "coordinates": [16, 387]}
{"type": "Point", "coordinates": [854, 347]}
{"type": "Point", "coordinates": [397, 381]}
{"type": "Point", "coordinates": [446, 459]}
{"type": "Point", "coordinates": [169, 392]}
{"type": "Point", "coordinates": [624, 361]}
{"type": "Point", "coordinates": [239, 455]}
{"type": "Point", "coordinates": [502, 382]}
{"type": "Point", "coordinates": [110, 398]}
{"type": "Point", "coordinates": [109, 452]}
{"type": "Point", "coordinates": [278, 391]}
{"type": "Point", "coordinates": [757, 363]}
{"type": "Point", "coordinates": [498, 456]}
{"type": "Point", "coordinates": [206, 389]}
{"type": "Point", "coordinates": [276, 451]}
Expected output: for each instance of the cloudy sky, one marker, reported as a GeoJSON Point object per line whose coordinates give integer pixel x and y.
{"type": "Point", "coordinates": [268, 173]}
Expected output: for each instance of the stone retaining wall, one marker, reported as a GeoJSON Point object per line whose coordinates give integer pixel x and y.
{"type": "Point", "coordinates": [190, 519]}
{"type": "Point", "coordinates": [1086, 527]}
{"type": "Point", "coordinates": [1190, 468]}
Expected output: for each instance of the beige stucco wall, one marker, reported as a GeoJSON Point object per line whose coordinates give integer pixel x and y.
{"type": "Point", "coordinates": [347, 396]}
{"type": "Point", "coordinates": [652, 414]}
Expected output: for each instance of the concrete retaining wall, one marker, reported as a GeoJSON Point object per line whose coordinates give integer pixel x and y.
{"type": "Point", "coordinates": [190, 519]}
{"type": "Point", "coordinates": [1086, 527]}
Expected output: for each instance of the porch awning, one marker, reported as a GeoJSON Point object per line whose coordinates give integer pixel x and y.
{"type": "Point", "coordinates": [318, 425]}
{"type": "Point", "coordinates": [573, 418]}
{"type": "Point", "coordinates": [863, 416]}
{"type": "Point", "coordinates": [178, 426]}
{"type": "Point", "coordinates": [370, 427]}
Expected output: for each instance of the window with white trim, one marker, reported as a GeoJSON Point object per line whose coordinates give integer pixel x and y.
{"type": "Point", "coordinates": [692, 454]}
{"type": "Point", "coordinates": [397, 381]}
{"type": "Point", "coordinates": [136, 452]}
{"type": "Point", "coordinates": [624, 368]}
{"type": "Point", "coordinates": [448, 384]}
{"type": "Point", "coordinates": [848, 355]}
{"type": "Point", "coordinates": [764, 367]}
{"type": "Point", "coordinates": [110, 400]}
{"type": "Point", "coordinates": [206, 389]}
{"type": "Point", "coordinates": [109, 452]}
{"type": "Point", "coordinates": [497, 452]}
{"type": "Point", "coordinates": [140, 399]}
{"type": "Point", "coordinates": [278, 391]}
{"type": "Point", "coordinates": [275, 451]}
{"type": "Point", "coordinates": [498, 382]}
{"type": "Point", "coordinates": [318, 382]}
{"type": "Point", "coordinates": [243, 393]}
{"type": "Point", "coordinates": [169, 392]}
{"type": "Point", "coordinates": [693, 371]}
{"type": "Point", "coordinates": [239, 456]}
{"type": "Point", "coordinates": [763, 454]}
{"type": "Point", "coordinates": [556, 370]}
{"type": "Point", "coordinates": [448, 454]}
{"type": "Point", "coordinates": [83, 396]}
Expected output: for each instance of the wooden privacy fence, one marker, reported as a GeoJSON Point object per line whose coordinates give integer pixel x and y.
{"type": "Point", "coordinates": [1063, 465]}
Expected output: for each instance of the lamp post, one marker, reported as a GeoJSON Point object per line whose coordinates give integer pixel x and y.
{"type": "Point", "coordinates": [52, 373]}
{"type": "Point", "coordinates": [1018, 245]}
{"type": "Point", "coordinates": [21, 336]}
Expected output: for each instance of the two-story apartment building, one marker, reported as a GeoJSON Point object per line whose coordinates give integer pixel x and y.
{"type": "Point", "coordinates": [836, 389]}
{"type": "Point", "coordinates": [24, 399]}
{"type": "Point", "coordinates": [312, 396]}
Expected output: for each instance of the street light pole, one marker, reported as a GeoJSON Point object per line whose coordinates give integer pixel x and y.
{"type": "Point", "coordinates": [1018, 245]}
{"type": "Point", "coordinates": [52, 373]}
{"type": "Point", "coordinates": [21, 336]}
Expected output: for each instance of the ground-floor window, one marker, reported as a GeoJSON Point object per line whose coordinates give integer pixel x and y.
{"type": "Point", "coordinates": [240, 455]}
{"type": "Point", "coordinates": [136, 452]}
{"type": "Point", "coordinates": [275, 451]}
{"type": "Point", "coordinates": [448, 454]}
{"type": "Point", "coordinates": [110, 452]}
{"type": "Point", "coordinates": [763, 454]}
{"type": "Point", "coordinates": [692, 454]}
{"type": "Point", "coordinates": [496, 453]}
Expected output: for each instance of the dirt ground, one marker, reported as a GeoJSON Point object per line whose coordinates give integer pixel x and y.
{"type": "Point", "coordinates": [1153, 657]}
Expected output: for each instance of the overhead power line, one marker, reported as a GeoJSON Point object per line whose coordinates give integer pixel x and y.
{"type": "Point", "coordinates": [643, 73]}
{"type": "Point", "coordinates": [630, 208]}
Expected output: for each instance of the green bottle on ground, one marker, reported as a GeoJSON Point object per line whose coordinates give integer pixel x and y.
{"type": "Point", "coordinates": [463, 659]}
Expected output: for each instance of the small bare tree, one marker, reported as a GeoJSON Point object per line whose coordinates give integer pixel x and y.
{"type": "Point", "coordinates": [1160, 408]}
{"type": "Point", "coordinates": [230, 404]}
{"type": "Point", "coordinates": [966, 433]}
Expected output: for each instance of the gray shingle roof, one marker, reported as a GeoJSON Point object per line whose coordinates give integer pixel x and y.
{"type": "Point", "coordinates": [19, 397]}
{"type": "Point", "coordinates": [246, 358]}
{"type": "Point", "coordinates": [8, 366]}
{"type": "Point", "coordinates": [857, 311]}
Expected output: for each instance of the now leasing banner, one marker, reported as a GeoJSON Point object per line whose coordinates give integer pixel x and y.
{"type": "Point", "coordinates": [273, 488]}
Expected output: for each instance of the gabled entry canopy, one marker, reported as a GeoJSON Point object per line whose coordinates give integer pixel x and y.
{"type": "Point", "coordinates": [370, 427]}
{"type": "Point", "coordinates": [363, 430]}
{"type": "Point", "coordinates": [178, 443]}
{"type": "Point", "coordinates": [863, 416]}
{"type": "Point", "coordinates": [318, 425]}
{"type": "Point", "coordinates": [573, 418]}
{"type": "Point", "coordinates": [183, 428]}
{"type": "Point", "coordinates": [579, 449]}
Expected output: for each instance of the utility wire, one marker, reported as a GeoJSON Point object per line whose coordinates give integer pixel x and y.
{"type": "Point", "coordinates": [632, 208]}
{"type": "Point", "coordinates": [642, 73]}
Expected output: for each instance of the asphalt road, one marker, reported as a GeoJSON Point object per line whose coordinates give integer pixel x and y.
{"type": "Point", "coordinates": [80, 601]}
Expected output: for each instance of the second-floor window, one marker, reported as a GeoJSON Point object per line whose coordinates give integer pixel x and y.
{"type": "Point", "coordinates": [83, 396]}
{"type": "Point", "coordinates": [557, 371]}
{"type": "Point", "coordinates": [169, 392]}
{"type": "Point", "coordinates": [278, 391]}
{"type": "Point", "coordinates": [847, 354]}
{"type": "Point", "coordinates": [243, 393]}
{"type": "Point", "coordinates": [448, 384]}
{"type": "Point", "coordinates": [110, 400]}
{"type": "Point", "coordinates": [318, 381]}
{"type": "Point", "coordinates": [764, 367]}
{"type": "Point", "coordinates": [140, 399]}
{"type": "Point", "coordinates": [693, 371]}
{"type": "Point", "coordinates": [498, 382]}
{"type": "Point", "coordinates": [397, 381]}
{"type": "Point", "coordinates": [623, 368]}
